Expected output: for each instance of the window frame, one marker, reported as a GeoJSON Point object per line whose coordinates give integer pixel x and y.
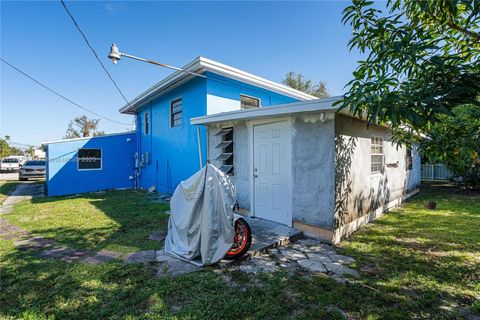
{"type": "Point", "coordinates": [172, 114]}
{"type": "Point", "coordinates": [146, 123]}
{"type": "Point", "coordinates": [408, 159]}
{"type": "Point", "coordinates": [89, 169]}
{"type": "Point", "coordinates": [250, 97]}
{"type": "Point", "coordinates": [372, 154]}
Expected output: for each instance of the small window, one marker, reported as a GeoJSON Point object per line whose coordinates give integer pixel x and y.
{"type": "Point", "coordinates": [89, 159]}
{"type": "Point", "coordinates": [376, 154]}
{"type": "Point", "coordinates": [226, 146]}
{"type": "Point", "coordinates": [408, 159]}
{"type": "Point", "coordinates": [176, 113]}
{"type": "Point", "coordinates": [146, 124]}
{"type": "Point", "coordinates": [247, 102]}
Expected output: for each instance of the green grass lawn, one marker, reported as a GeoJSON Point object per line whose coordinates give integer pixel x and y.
{"type": "Point", "coordinates": [6, 187]}
{"type": "Point", "coordinates": [116, 220]}
{"type": "Point", "coordinates": [414, 264]}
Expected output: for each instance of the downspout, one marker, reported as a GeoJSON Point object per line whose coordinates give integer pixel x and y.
{"type": "Point", "coordinates": [199, 144]}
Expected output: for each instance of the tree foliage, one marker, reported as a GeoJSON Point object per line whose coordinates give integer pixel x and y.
{"type": "Point", "coordinates": [453, 140]}
{"type": "Point", "coordinates": [4, 148]}
{"type": "Point", "coordinates": [82, 127]}
{"type": "Point", "coordinates": [422, 60]}
{"type": "Point", "coordinates": [297, 81]}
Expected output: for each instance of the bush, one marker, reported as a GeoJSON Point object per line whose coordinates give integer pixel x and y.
{"type": "Point", "coordinates": [472, 178]}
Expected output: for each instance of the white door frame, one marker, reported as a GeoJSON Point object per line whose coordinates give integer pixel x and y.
{"type": "Point", "coordinates": [250, 125]}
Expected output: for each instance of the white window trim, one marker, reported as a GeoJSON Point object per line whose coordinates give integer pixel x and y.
{"type": "Point", "coordinates": [251, 97]}
{"type": "Point", "coordinates": [90, 169]}
{"type": "Point", "coordinates": [170, 112]}
{"type": "Point", "coordinates": [377, 154]}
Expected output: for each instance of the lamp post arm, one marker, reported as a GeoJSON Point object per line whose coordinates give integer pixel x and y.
{"type": "Point", "coordinates": [162, 65]}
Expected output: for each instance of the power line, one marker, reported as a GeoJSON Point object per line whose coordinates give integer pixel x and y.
{"type": "Point", "coordinates": [94, 52]}
{"type": "Point", "coordinates": [60, 95]}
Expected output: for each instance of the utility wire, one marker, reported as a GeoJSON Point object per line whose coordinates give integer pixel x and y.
{"type": "Point", "coordinates": [60, 95]}
{"type": "Point", "coordinates": [93, 51]}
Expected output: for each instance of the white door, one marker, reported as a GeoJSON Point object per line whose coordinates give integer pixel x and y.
{"type": "Point", "coordinates": [272, 172]}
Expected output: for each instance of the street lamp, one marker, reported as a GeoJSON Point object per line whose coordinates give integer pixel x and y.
{"type": "Point", "coordinates": [116, 55]}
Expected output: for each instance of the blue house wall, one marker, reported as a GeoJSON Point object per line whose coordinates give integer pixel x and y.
{"type": "Point", "coordinates": [173, 151]}
{"type": "Point", "coordinates": [232, 89]}
{"type": "Point", "coordinates": [64, 177]}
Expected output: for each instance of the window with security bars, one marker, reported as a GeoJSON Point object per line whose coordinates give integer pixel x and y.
{"type": "Point", "coordinates": [226, 146]}
{"type": "Point", "coordinates": [247, 102]}
{"type": "Point", "coordinates": [89, 159]}
{"type": "Point", "coordinates": [408, 159]}
{"type": "Point", "coordinates": [176, 113]}
{"type": "Point", "coordinates": [376, 154]}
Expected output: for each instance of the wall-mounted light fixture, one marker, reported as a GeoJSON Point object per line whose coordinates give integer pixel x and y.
{"type": "Point", "coordinates": [323, 117]}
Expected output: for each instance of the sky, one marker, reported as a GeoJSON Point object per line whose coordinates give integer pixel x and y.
{"type": "Point", "coordinates": [267, 39]}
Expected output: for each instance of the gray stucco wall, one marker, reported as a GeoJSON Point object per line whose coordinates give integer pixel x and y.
{"type": "Point", "coordinates": [357, 190]}
{"type": "Point", "coordinates": [313, 176]}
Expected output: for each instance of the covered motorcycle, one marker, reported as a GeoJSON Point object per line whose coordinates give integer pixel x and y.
{"type": "Point", "coordinates": [202, 227]}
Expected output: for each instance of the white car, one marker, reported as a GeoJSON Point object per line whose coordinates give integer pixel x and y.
{"type": "Point", "coordinates": [10, 164]}
{"type": "Point", "coordinates": [32, 169]}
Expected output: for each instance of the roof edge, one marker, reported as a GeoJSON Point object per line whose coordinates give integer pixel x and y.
{"type": "Point", "coordinates": [202, 64]}
{"type": "Point", "coordinates": [320, 105]}
{"type": "Point", "coordinates": [86, 138]}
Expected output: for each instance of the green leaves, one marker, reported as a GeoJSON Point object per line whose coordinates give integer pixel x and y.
{"type": "Point", "coordinates": [422, 60]}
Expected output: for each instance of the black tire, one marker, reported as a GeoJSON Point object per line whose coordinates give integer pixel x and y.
{"type": "Point", "coordinates": [22, 179]}
{"type": "Point", "coordinates": [242, 225]}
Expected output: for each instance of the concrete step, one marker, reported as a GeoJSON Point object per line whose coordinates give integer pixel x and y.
{"type": "Point", "coordinates": [267, 235]}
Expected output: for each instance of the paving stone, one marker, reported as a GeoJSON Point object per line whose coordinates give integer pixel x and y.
{"type": "Point", "coordinates": [102, 257]}
{"type": "Point", "coordinates": [158, 236]}
{"type": "Point", "coordinates": [248, 268]}
{"type": "Point", "coordinates": [34, 243]}
{"type": "Point", "coordinates": [338, 268]}
{"type": "Point", "coordinates": [140, 256]}
{"type": "Point", "coordinates": [161, 256]}
{"type": "Point", "coordinates": [264, 263]}
{"type": "Point", "coordinates": [6, 210]}
{"type": "Point", "coordinates": [176, 267]}
{"type": "Point", "coordinates": [320, 257]}
{"type": "Point", "coordinates": [63, 253]}
{"type": "Point", "coordinates": [12, 236]}
{"type": "Point", "coordinates": [312, 265]}
{"type": "Point", "coordinates": [341, 258]}
{"type": "Point", "coordinates": [292, 254]}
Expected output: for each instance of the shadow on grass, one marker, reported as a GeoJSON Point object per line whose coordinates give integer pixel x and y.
{"type": "Point", "coordinates": [125, 220]}
{"type": "Point", "coordinates": [426, 255]}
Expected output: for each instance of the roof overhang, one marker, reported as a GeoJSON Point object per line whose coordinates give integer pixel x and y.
{"type": "Point", "coordinates": [202, 65]}
{"type": "Point", "coordinates": [88, 138]}
{"type": "Point", "coordinates": [318, 105]}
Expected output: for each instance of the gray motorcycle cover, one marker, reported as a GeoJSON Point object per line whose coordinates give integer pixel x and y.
{"type": "Point", "coordinates": [201, 224]}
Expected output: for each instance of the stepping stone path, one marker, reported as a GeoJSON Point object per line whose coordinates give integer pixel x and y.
{"type": "Point", "coordinates": [311, 255]}
{"type": "Point", "coordinates": [308, 254]}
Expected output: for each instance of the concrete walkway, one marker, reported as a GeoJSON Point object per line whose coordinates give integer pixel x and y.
{"type": "Point", "coordinates": [274, 247]}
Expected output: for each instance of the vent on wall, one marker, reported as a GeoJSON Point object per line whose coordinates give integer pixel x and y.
{"type": "Point", "coordinates": [226, 146]}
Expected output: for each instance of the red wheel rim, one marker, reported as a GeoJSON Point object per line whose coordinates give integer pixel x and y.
{"type": "Point", "coordinates": [240, 240]}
